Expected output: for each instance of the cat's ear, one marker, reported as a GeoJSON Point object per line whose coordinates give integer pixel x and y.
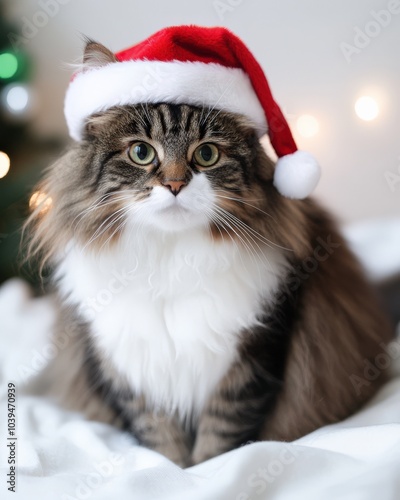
{"type": "Point", "coordinates": [96, 124]}
{"type": "Point", "coordinates": [96, 55]}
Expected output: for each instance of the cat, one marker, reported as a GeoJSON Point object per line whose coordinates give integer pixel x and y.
{"type": "Point", "coordinates": [207, 310]}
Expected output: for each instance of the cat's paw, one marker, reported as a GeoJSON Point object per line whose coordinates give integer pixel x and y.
{"type": "Point", "coordinates": [181, 461]}
{"type": "Point", "coordinates": [184, 463]}
{"type": "Point", "coordinates": [199, 456]}
{"type": "Point", "coordinates": [178, 455]}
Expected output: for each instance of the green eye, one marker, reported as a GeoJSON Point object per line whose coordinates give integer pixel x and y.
{"type": "Point", "coordinates": [206, 155]}
{"type": "Point", "coordinates": [142, 153]}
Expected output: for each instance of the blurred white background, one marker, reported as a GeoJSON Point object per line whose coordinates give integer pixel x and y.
{"type": "Point", "coordinates": [319, 57]}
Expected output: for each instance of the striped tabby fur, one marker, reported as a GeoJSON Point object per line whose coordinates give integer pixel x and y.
{"type": "Point", "coordinates": [297, 355]}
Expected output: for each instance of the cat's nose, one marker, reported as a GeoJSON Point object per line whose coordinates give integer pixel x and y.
{"type": "Point", "coordinates": [174, 186]}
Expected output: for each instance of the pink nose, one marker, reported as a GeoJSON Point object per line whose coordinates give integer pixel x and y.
{"type": "Point", "coordinates": [174, 186]}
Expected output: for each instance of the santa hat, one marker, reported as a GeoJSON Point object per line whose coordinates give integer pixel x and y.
{"type": "Point", "coordinates": [199, 66]}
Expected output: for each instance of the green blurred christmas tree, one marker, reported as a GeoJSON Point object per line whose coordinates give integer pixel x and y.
{"type": "Point", "coordinates": [22, 155]}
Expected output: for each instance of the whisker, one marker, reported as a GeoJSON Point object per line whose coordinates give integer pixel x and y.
{"type": "Point", "coordinates": [246, 203]}
{"type": "Point", "coordinates": [102, 202]}
{"type": "Point", "coordinates": [99, 231]}
{"type": "Point", "coordinates": [91, 207]}
{"type": "Point", "coordinates": [257, 235]}
{"type": "Point", "coordinates": [119, 226]}
{"type": "Point", "coordinates": [240, 225]}
{"type": "Point", "coordinates": [241, 235]}
{"type": "Point", "coordinates": [218, 220]}
{"type": "Point", "coordinates": [248, 237]}
{"type": "Point", "coordinates": [108, 226]}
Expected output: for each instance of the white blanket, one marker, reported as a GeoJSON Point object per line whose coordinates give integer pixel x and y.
{"type": "Point", "coordinates": [62, 456]}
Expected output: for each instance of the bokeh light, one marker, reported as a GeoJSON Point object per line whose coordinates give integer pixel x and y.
{"type": "Point", "coordinates": [366, 108]}
{"type": "Point", "coordinates": [16, 98]}
{"type": "Point", "coordinates": [307, 126]}
{"type": "Point", "coordinates": [40, 199]}
{"type": "Point", "coordinates": [8, 65]}
{"type": "Point", "coordinates": [4, 164]}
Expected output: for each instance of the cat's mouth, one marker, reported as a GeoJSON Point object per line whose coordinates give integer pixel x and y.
{"type": "Point", "coordinates": [185, 202]}
{"type": "Point", "coordinates": [175, 211]}
{"type": "Point", "coordinates": [172, 204]}
{"type": "Point", "coordinates": [185, 210]}
{"type": "Point", "coordinates": [176, 215]}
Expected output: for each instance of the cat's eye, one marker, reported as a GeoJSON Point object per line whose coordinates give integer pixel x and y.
{"type": "Point", "coordinates": [206, 155]}
{"type": "Point", "coordinates": [142, 153]}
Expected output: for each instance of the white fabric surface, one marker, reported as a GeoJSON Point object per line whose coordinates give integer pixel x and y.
{"type": "Point", "coordinates": [62, 456]}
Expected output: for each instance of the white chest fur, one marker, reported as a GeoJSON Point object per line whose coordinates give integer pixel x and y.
{"type": "Point", "coordinates": [168, 310]}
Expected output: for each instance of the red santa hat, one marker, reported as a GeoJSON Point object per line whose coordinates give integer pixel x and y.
{"type": "Point", "coordinates": [199, 66]}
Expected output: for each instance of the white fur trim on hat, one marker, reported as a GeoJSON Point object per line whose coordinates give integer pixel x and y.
{"type": "Point", "coordinates": [297, 175]}
{"type": "Point", "coordinates": [133, 82]}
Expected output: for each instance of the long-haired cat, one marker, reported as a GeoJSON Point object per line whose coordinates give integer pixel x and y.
{"type": "Point", "coordinates": [207, 309]}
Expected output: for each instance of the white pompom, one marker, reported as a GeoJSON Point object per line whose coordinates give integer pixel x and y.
{"type": "Point", "coordinates": [297, 175]}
